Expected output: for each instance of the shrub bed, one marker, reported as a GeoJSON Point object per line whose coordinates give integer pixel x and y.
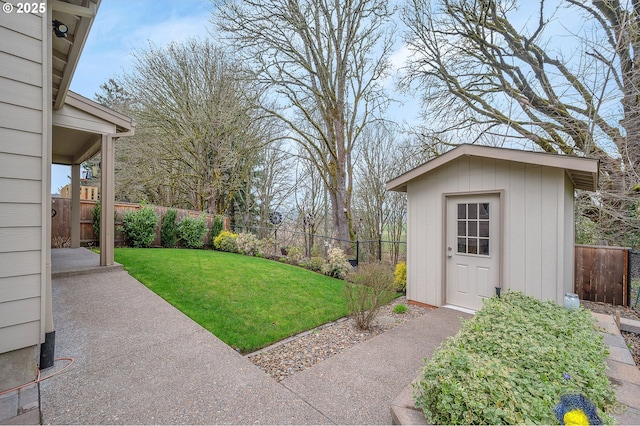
{"type": "Point", "coordinates": [512, 362]}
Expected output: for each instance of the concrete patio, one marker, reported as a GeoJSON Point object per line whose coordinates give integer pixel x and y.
{"type": "Point", "coordinates": [138, 360]}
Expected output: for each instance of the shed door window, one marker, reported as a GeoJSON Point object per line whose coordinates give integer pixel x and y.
{"type": "Point", "coordinates": [473, 228]}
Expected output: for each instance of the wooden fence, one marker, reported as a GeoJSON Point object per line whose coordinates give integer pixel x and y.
{"type": "Point", "coordinates": [61, 221]}
{"type": "Point", "coordinates": [602, 274]}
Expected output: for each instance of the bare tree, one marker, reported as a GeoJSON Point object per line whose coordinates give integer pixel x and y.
{"type": "Point", "coordinates": [382, 157]}
{"type": "Point", "coordinates": [273, 182]}
{"type": "Point", "coordinates": [323, 60]}
{"type": "Point", "coordinates": [493, 78]}
{"type": "Point", "coordinates": [199, 137]}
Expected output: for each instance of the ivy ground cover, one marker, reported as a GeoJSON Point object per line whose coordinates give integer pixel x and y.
{"type": "Point", "coordinates": [247, 302]}
{"type": "Point", "coordinates": [512, 362]}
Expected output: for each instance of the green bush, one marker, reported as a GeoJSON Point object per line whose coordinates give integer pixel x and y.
{"type": "Point", "coordinates": [315, 264]}
{"type": "Point", "coordinates": [217, 227]}
{"type": "Point", "coordinates": [368, 288]}
{"type": "Point", "coordinates": [511, 363]}
{"type": "Point", "coordinates": [95, 214]}
{"type": "Point", "coordinates": [168, 229]}
{"type": "Point", "coordinates": [248, 244]}
{"type": "Point", "coordinates": [226, 241]}
{"type": "Point", "coordinates": [140, 226]}
{"type": "Point", "coordinates": [295, 254]}
{"type": "Point", "coordinates": [191, 231]}
{"type": "Point", "coordinates": [400, 277]}
{"type": "Point", "coordinates": [337, 263]}
{"type": "Point", "coordinates": [400, 309]}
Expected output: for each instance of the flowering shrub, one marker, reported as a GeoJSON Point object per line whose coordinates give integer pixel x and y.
{"type": "Point", "coordinates": [248, 244]}
{"type": "Point", "coordinates": [191, 231]}
{"type": "Point", "coordinates": [400, 277]}
{"type": "Point", "coordinates": [226, 241]}
{"type": "Point", "coordinates": [337, 265]}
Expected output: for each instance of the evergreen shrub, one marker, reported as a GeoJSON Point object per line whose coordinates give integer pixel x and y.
{"type": "Point", "coordinates": [217, 227]}
{"type": "Point", "coordinates": [168, 229]}
{"type": "Point", "coordinates": [191, 231]}
{"type": "Point", "coordinates": [511, 364]}
{"type": "Point", "coordinates": [140, 226]}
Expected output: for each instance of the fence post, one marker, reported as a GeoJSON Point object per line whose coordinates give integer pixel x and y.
{"type": "Point", "coordinates": [357, 251]}
{"type": "Point", "coordinates": [380, 247]}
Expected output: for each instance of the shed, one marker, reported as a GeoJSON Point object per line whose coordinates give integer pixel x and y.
{"type": "Point", "coordinates": [481, 217]}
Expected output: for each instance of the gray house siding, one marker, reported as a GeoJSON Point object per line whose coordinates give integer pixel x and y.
{"type": "Point", "coordinates": [25, 110]}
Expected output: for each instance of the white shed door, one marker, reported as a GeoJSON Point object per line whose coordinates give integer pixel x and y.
{"type": "Point", "coordinates": [472, 250]}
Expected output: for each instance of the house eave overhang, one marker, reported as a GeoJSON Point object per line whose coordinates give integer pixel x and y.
{"type": "Point", "coordinates": [78, 128]}
{"type": "Point", "coordinates": [66, 51]}
{"type": "Point", "coordinates": [582, 171]}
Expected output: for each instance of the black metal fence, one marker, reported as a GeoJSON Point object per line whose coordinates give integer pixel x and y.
{"type": "Point", "coordinates": [634, 278]}
{"type": "Point", "coordinates": [287, 241]}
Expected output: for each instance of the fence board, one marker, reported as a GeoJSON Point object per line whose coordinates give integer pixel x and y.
{"type": "Point", "coordinates": [61, 221]}
{"type": "Point", "coordinates": [601, 274]}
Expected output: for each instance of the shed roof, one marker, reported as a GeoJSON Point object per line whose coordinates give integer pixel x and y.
{"type": "Point", "coordinates": [582, 171]}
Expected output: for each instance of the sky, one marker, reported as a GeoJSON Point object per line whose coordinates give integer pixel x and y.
{"type": "Point", "coordinates": [122, 27]}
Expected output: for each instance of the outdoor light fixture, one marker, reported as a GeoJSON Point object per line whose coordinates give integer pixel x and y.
{"type": "Point", "coordinates": [60, 29]}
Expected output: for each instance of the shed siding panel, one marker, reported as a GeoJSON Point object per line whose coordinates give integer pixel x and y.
{"type": "Point", "coordinates": [16, 288]}
{"type": "Point", "coordinates": [533, 225]}
{"type": "Point", "coordinates": [20, 239]}
{"type": "Point", "coordinates": [569, 239]}
{"type": "Point", "coordinates": [552, 181]}
{"type": "Point", "coordinates": [503, 182]}
{"type": "Point", "coordinates": [418, 242]}
{"type": "Point", "coordinates": [475, 175]}
{"type": "Point", "coordinates": [489, 172]}
{"type": "Point", "coordinates": [22, 143]}
{"type": "Point", "coordinates": [17, 215]}
{"type": "Point", "coordinates": [516, 233]}
{"type": "Point", "coordinates": [19, 336]}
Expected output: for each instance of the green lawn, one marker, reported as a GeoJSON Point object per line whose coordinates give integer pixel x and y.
{"type": "Point", "coordinates": [247, 302]}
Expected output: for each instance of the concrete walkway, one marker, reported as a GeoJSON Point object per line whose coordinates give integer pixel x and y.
{"type": "Point", "coordinates": [138, 360]}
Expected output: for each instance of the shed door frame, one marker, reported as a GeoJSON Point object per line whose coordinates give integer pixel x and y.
{"type": "Point", "coordinates": [502, 238]}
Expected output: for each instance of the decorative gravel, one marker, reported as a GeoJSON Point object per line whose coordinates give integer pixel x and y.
{"type": "Point", "coordinates": [307, 349]}
{"type": "Point", "coordinates": [300, 352]}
